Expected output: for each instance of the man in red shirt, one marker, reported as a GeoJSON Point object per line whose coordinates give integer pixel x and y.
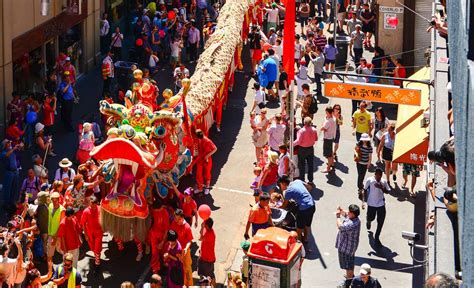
{"type": "Point", "coordinates": [69, 235]}
{"type": "Point", "coordinates": [49, 107]}
{"type": "Point", "coordinates": [185, 238]}
{"type": "Point", "coordinates": [92, 228]}
{"type": "Point", "coordinates": [204, 161]}
{"type": "Point", "coordinates": [161, 224]}
{"type": "Point", "coordinates": [208, 256]}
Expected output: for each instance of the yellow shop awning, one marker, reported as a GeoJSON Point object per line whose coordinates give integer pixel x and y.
{"type": "Point", "coordinates": [412, 141]}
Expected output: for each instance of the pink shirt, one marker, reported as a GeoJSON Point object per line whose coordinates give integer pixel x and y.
{"type": "Point", "coordinates": [306, 137]}
{"type": "Point", "coordinates": [330, 126]}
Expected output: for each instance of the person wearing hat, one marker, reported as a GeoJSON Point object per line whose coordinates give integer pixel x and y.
{"type": "Point", "coordinates": [66, 95]}
{"type": "Point", "coordinates": [260, 216]}
{"type": "Point", "coordinates": [157, 233]}
{"type": "Point", "coordinates": [347, 240]}
{"type": "Point", "coordinates": [68, 67]}
{"type": "Point", "coordinates": [259, 99]}
{"type": "Point", "coordinates": [365, 279]}
{"type": "Point", "coordinates": [375, 189]}
{"type": "Point", "coordinates": [44, 143]}
{"type": "Point", "coordinates": [66, 275]}
{"type": "Point", "coordinates": [269, 178]}
{"type": "Point", "coordinates": [206, 148]}
{"type": "Point", "coordinates": [272, 16]}
{"type": "Point", "coordinates": [357, 44]}
{"type": "Point", "coordinates": [56, 213]}
{"type": "Point", "coordinates": [107, 72]}
{"type": "Point", "coordinates": [244, 268]}
{"type": "Point", "coordinates": [185, 238]}
{"type": "Point", "coordinates": [90, 222]}
{"type": "Point", "coordinates": [11, 180]}
{"type": "Point", "coordinates": [363, 158]}
{"type": "Point", "coordinates": [65, 173]}
{"type": "Point", "coordinates": [42, 215]}
{"type": "Point", "coordinates": [188, 205]}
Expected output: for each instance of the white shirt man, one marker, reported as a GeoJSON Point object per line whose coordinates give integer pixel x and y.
{"type": "Point", "coordinates": [375, 188]}
{"type": "Point", "coordinates": [104, 27]}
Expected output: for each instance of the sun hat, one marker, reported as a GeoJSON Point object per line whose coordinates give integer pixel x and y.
{"type": "Point", "coordinates": [65, 163]}
{"type": "Point", "coordinates": [5, 142]}
{"type": "Point", "coordinates": [364, 137]}
{"type": "Point", "coordinates": [55, 195]}
{"type": "Point", "coordinates": [38, 127]}
{"type": "Point", "coordinates": [366, 267]}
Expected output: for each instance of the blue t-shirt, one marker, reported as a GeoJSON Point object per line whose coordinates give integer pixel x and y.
{"type": "Point", "coordinates": [271, 69]}
{"type": "Point", "coordinates": [69, 94]}
{"type": "Point", "coordinates": [298, 192]}
{"type": "Point", "coordinates": [9, 163]}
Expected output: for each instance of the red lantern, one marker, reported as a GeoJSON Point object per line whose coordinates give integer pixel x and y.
{"type": "Point", "coordinates": [392, 21]}
{"type": "Point", "coordinates": [204, 212]}
{"type": "Point", "coordinates": [171, 14]}
{"type": "Point", "coordinates": [267, 46]}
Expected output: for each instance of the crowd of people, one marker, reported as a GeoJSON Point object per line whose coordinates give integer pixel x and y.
{"type": "Point", "coordinates": [55, 213]}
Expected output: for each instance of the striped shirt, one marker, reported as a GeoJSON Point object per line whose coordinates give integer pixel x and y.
{"type": "Point", "coordinates": [320, 41]}
{"type": "Point", "coordinates": [347, 239]}
{"type": "Point", "coordinates": [365, 152]}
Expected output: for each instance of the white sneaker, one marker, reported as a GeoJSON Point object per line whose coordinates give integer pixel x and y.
{"type": "Point", "coordinates": [207, 191]}
{"type": "Point", "coordinates": [139, 257]}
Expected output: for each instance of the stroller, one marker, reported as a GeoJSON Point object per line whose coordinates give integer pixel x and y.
{"type": "Point", "coordinates": [285, 218]}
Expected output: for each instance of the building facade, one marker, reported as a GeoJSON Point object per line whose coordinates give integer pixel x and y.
{"type": "Point", "coordinates": [33, 33]}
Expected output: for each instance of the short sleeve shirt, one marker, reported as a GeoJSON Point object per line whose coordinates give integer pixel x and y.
{"type": "Point", "coordinates": [375, 196]}
{"type": "Point", "coordinates": [362, 120]}
{"type": "Point", "coordinates": [298, 192]}
{"type": "Point", "coordinates": [208, 243]}
{"type": "Point", "coordinates": [185, 235]}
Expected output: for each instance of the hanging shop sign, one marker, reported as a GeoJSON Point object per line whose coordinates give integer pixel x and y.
{"type": "Point", "coordinates": [372, 92]}
{"type": "Point", "coordinates": [386, 9]}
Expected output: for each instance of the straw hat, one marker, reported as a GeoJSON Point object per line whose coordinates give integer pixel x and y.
{"type": "Point", "coordinates": [38, 127]}
{"type": "Point", "coordinates": [65, 163]}
{"type": "Point", "coordinates": [54, 195]}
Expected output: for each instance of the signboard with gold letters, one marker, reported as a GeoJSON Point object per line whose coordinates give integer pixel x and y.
{"type": "Point", "coordinates": [372, 92]}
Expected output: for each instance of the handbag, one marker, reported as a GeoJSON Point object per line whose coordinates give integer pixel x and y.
{"type": "Point", "coordinates": [261, 105]}
{"type": "Point", "coordinates": [177, 275]}
{"type": "Point", "coordinates": [357, 154]}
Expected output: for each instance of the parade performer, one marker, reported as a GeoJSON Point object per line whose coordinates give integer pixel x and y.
{"type": "Point", "coordinates": [157, 234]}
{"type": "Point", "coordinates": [204, 161]}
{"type": "Point", "coordinates": [185, 238]}
{"type": "Point", "coordinates": [90, 223]}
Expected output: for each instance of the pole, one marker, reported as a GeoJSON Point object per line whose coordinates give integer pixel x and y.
{"type": "Point", "coordinates": [292, 122]}
{"type": "Point", "coordinates": [334, 8]}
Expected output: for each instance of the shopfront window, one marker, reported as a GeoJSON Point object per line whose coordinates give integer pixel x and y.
{"type": "Point", "coordinates": [70, 43]}
{"type": "Point", "coordinates": [29, 72]}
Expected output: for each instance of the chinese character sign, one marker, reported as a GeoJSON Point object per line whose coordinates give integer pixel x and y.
{"type": "Point", "coordinates": [372, 92]}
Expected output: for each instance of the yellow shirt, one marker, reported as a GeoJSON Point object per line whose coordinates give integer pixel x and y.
{"type": "Point", "coordinates": [362, 121]}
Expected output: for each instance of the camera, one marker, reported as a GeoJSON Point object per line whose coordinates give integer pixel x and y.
{"type": "Point", "coordinates": [411, 236]}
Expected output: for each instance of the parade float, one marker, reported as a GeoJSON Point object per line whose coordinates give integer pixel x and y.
{"type": "Point", "coordinates": [150, 145]}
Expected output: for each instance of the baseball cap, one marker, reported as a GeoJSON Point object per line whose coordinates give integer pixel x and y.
{"type": "Point", "coordinates": [178, 212]}
{"type": "Point", "coordinates": [363, 272]}
{"type": "Point", "coordinates": [188, 191]}
{"type": "Point", "coordinates": [68, 58]}
{"type": "Point", "coordinates": [366, 267]}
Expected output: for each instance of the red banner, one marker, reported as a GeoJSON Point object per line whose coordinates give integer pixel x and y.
{"type": "Point", "coordinates": [289, 39]}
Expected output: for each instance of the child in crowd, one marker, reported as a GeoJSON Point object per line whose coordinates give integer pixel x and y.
{"type": "Point", "coordinates": [257, 171]}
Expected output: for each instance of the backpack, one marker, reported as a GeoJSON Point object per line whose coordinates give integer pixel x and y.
{"type": "Point", "coordinates": [313, 108]}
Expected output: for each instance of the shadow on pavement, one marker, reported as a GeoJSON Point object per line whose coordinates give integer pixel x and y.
{"type": "Point", "coordinates": [312, 251]}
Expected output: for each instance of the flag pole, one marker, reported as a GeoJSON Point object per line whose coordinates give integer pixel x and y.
{"type": "Point", "coordinates": [292, 122]}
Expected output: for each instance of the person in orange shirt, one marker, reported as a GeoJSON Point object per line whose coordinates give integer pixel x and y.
{"type": "Point", "coordinates": [185, 238]}
{"type": "Point", "coordinates": [204, 161]}
{"type": "Point", "coordinates": [158, 230]}
{"type": "Point", "coordinates": [259, 216]}
{"type": "Point", "coordinates": [93, 230]}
